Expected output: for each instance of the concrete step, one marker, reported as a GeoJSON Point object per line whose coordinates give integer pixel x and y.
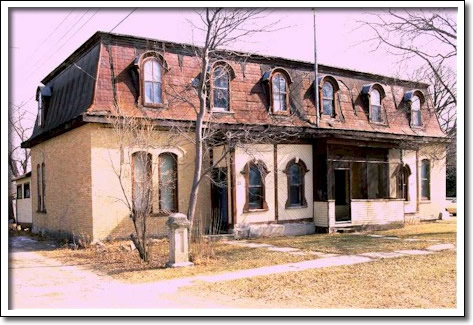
{"type": "Point", "coordinates": [220, 237]}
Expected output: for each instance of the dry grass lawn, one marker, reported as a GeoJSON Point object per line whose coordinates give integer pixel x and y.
{"type": "Point", "coordinates": [427, 281]}
{"type": "Point", "coordinates": [348, 243]}
{"type": "Point", "coordinates": [127, 266]}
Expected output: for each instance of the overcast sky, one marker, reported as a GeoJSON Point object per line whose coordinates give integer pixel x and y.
{"type": "Point", "coordinates": [40, 39]}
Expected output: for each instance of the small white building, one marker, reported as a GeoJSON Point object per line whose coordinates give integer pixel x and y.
{"type": "Point", "coordinates": [24, 209]}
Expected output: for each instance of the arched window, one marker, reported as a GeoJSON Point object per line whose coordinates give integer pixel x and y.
{"type": "Point", "coordinates": [255, 174]}
{"type": "Point", "coordinates": [403, 183]}
{"type": "Point", "coordinates": [375, 106]}
{"type": "Point", "coordinates": [328, 99]}
{"type": "Point", "coordinates": [38, 187]}
{"type": "Point", "coordinates": [142, 183]}
{"type": "Point", "coordinates": [152, 81]}
{"type": "Point", "coordinates": [295, 171]}
{"type": "Point", "coordinates": [221, 82]}
{"type": "Point", "coordinates": [279, 93]}
{"type": "Point", "coordinates": [43, 187]}
{"type": "Point", "coordinates": [425, 179]}
{"type": "Point", "coordinates": [167, 183]}
{"type": "Point", "coordinates": [416, 117]}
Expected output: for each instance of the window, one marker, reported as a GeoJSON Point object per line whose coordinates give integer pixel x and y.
{"type": "Point", "coordinates": [425, 179]}
{"type": "Point", "coordinates": [221, 81]}
{"type": "Point", "coordinates": [19, 192]}
{"type": "Point", "coordinates": [279, 93]}
{"type": "Point", "coordinates": [377, 180]}
{"type": "Point", "coordinates": [38, 187]}
{"type": "Point", "coordinates": [152, 76]}
{"type": "Point", "coordinates": [375, 106]}
{"type": "Point", "coordinates": [255, 173]}
{"type": "Point", "coordinates": [167, 183]}
{"type": "Point", "coordinates": [416, 117]}
{"type": "Point", "coordinates": [26, 190]}
{"type": "Point", "coordinates": [403, 183]}
{"type": "Point", "coordinates": [43, 187]}
{"type": "Point", "coordinates": [295, 172]}
{"type": "Point", "coordinates": [328, 101]}
{"type": "Point", "coordinates": [142, 183]}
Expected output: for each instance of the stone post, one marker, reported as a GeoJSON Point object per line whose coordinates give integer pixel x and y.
{"type": "Point", "coordinates": [178, 240]}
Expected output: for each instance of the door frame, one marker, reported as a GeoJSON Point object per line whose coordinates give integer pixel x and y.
{"type": "Point", "coordinates": [348, 172]}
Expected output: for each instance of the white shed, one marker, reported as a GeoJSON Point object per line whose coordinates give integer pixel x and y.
{"type": "Point", "coordinates": [24, 209]}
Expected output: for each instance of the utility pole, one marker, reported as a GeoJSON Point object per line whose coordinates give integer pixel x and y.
{"type": "Point", "coordinates": [316, 86]}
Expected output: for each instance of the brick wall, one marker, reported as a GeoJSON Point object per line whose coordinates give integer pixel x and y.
{"type": "Point", "coordinates": [68, 197]}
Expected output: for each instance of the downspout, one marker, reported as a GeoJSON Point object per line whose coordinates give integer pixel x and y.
{"type": "Point", "coordinates": [316, 88]}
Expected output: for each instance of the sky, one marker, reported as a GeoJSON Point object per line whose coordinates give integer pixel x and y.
{"type": "Point", "coordinates": [40, 39]}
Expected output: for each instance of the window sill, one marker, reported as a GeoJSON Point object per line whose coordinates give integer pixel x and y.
{"type": "Point", "coordinates": [295, 207]}
{"type": "Point", "coordinates": [41, 211]}
{"type": "Point", "coordinates": [154, 106]}
{"type": "Point", "coordinates": [221, 112]}
{"type": "Point", "coordinates": [379, 123]}
{"type": "Point", "coordinates": [255, 210]}
{"type": "Point", "coordinates": [280, 113]}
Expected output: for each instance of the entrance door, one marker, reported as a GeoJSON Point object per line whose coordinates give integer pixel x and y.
{"type": "Point", "coordinates": [342, 195]}
{"type": "Point", "coordinates": [219, 220]}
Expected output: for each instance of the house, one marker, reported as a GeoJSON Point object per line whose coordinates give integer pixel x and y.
{"type": "Point", "coordinates": [23, 210]}
{"type": "Point", "coordinates": [372, 155]}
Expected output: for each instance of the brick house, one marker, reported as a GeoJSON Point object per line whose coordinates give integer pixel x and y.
{"type": "Point", "coordinates": [374, 154]}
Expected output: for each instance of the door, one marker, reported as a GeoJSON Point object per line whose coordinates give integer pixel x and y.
{"type": "Point", "coordinates": [219, 220]}
{"type": "Point", "coordinates": [342, 195]}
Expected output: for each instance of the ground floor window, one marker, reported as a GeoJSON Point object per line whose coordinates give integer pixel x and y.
{"type": "Point", "coordinates": [167, 182]}
{"type": "Point", "coordinates": [255, 173]}
{"type": "Point", "coordinates": [142, 182]}
{"type": "Point", "coordinates": [403, 182]}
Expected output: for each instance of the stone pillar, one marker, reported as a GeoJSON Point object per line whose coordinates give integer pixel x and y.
{"type": "Point", "coordinates": [178, 240]}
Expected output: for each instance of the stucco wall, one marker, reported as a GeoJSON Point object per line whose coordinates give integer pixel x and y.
{"type": "Point", "coordinates": [286, 153]}
{"type": "Point", "coordinates": [24, 211]}
{"type": "Point", "coordinates": [111, 215]}
{"type": "Point", "coordinates": [68, 197]}
{"type": "Point", "coordinates": [409, 159]}
{"type": "Point", "coordinates": [437, 203]}
{"type": "Point", "coordinates": [265, 153]}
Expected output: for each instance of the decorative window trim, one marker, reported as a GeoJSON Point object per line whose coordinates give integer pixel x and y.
{"type": "Point", "coordinates": [408, 96]}
{"type": "Point", "coordinates": [428, 179]}
{"type": "Point", "coordinates": [304, 171]}
{"type": "Point", "coordinates": [175, 180]}
{"type": "Point", "coordinates": [139, 64]}
{"type": "Point", "coordinates": [246, 172]}
{"type": "Point", "coordinates": [336, 88]}
{"type": "Point", "coordinates": [268, 78]}
{"type": "Point", "coordinates": [231, 75]}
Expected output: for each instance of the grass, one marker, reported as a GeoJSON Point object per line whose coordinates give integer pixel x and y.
{"type": "Point", "coordinates": [127, 266]}
{"type": "Point", "coordinates": [427, 281]}
{"type": "Point", "coordinates": [358, 243]}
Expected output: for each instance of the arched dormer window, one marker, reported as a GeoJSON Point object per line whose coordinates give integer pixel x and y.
{"type": "Point", "coordinates": [328, 88]}
{"type": "Point", "coordinates": [221, 75]}
{"type": "Point", "coordinates": [295, 171]}
{"type": "Point", "coordinates": [415, 99]}
{"type": "Point", "coordinates": [255, 173]}
{"type": "Point", "coordinates": [279, 81]}
{"type": "Point", "coordinates": [374, 94]}
{"type": "Point", "coordinates": [151, 67]}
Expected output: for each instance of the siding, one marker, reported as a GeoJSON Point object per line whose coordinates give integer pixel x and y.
{"type": "Point", "coordinates": [376, 212]}
{"type": "Point", "coordinates": [321, 213]}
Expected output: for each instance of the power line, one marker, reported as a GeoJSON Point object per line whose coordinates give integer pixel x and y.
{"type": "Point", "coordinates": [123, 20]}
{"type": "Point", "coordinates": [53, 31]}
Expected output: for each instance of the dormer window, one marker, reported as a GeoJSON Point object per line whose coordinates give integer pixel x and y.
{"type": "Point", "coordinates": [416, 116]}
{"type": "Point", "coordinates": [150, 69]}
{"type": "Point", "coordinates": [415, 99]}
{"type": "Point", "coordinates": [375, 105]}
{"type": "Point", "coordinates": [328, 99]}
{"type": "Point", "coordinates": [279, 93]}
{"type": "Point", "coordinates": [328, 88]}
{"type": "Point", "coordinates": [152, 78]}
{"type": "Point", "coordinates": [277, 82]}
{"type": "Point", "coordinates": [40, 110]}
{"type": "Point", "coordinates": [221, 82]}
{"type": "Point", "coordinates": [43, 94]}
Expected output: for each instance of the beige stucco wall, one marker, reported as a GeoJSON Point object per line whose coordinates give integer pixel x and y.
{"type": "Point", "coordinates": [68, 197]}
{"type": "Point", "coordinates": [111, 215]}
{"type": "Point", "coordinates": [24, 210]}
{"type": "Point", "coordinates": [409, 158]}
{"type": "Point", "coordinates": [265, 153]}
{"type": "Point", "coordinates": [286, 153]}
{"type": "Point", "coordinates": [437, 203]}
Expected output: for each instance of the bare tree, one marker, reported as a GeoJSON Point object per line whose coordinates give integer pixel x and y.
{"type": "Point", "coordinates": [222, 28]}
{"type": "Point", "coordinates": [18, 158]}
